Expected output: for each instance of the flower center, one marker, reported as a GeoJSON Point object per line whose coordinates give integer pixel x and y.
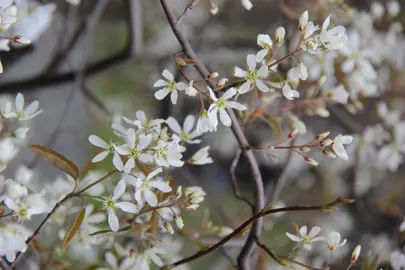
{"type": "Point", "coordinates": [134, 152]}
{"type": "Point", "coordinates": [221, 103]}
{"type": "Point", "coordinates": [109, 204]}
{"type": "Point", "coordinates": [20, 114]}
{"type": "Point", "coordinates": [171, 85]}
{"type": "Point", "coordinates": [306, 240]}
{"type": "Point", "coordinates": [22, 213]}
{"type": "Point", "coordinates": [184, 135]}
{"type": "Point", "coordinates": [252, 75]}
{"type": "Point", "coordinates": [162, 152]}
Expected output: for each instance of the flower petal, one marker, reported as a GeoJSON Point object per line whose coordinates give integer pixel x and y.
{"type": "Point", "coordinates": [160, 83]}
{"type": "Point", "coordinates": [127, 207]}
{"type": "Point", "coordinates": [161, 185]}
{"type": "Point", "coordinates": [96, 141]}
{"type": "Point", "coordinates": [168, 75]}
{"type": "Point", "coordinates": [173, 125]}
{"type": "Point", "coordinates": [225, 119]}
{"type": "Point", "coordinates": [150, 197]}
{"type": "Point", "coordinates": [240, 73]}
{"type": "Point", "coordinates": [113, 221]}
{"type": "Point", "coordinates": [101, 156]}
{"type": "Point", "coordinates": [119, 190]}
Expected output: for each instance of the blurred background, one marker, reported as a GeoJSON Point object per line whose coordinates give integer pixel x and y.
{"type": "Point", "coordinates": [94, 62]}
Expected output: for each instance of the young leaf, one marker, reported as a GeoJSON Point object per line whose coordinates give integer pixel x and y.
{"type": "Point", "coordinates": [75, 227]}
{"type": "Point", "coordinates": [56, 159]}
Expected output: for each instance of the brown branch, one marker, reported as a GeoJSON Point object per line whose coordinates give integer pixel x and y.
{"type": "Point", "coordinates": [235, 186]}
{"type": "Point", "coordinates": [243, 259]}
{"type": "Point", "coordinates": [244, 225]}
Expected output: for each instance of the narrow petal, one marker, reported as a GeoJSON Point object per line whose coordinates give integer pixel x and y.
{"type": "Point", "coordinates": [160, 83]}
{"type": "Point", "coordinates": [181, 86]}
{"type": "Point", "coordinates": [119, 190]}
{"type": "Point", "coordinates": [127, 207]}
{"type": "Point", "coordinates": [19, 102]}
{"type": "Point", "coordinates": [174, 96]}
{"type": "Point", "coordinates": [129, 165]}
{"type": "Point", "coordinates": [263, 72]}
{"type": "Point", "coordinates": [118, 162]}
{"type": "Point", "coordinates": [260, 56]}
{"type": "Point", "coordinates": [154, 173]}
{"type": "Point", "coordinates": [173, 125]}
{"type": "Point", "coordinates": [293, 237]}
{"type": "Point", "coordinates": [251, 61]}
{"type": "Point", "coordinates": [188, 123]}
{"type": "Point", "coordinates": [33, 107]}
{"type": "Point", "coordinates": [101, 156]}
{"type": "Point", "coordinates": [303, 230]}
{"type": "Point", "coordinates": [162, 93]}
{"type": "Point", "coordinates": [150, 197]}
{"type": "Point", "coordinates": [225, 119]}
{"type": "Point", "coordinates": [113, 221]}
{"type": "Point", "coordinates": [240, 73]}
{"type": "Point", "coordinates": [212, 95]}
{"type": "Point", "coordinates": [236, 105]}
{"type": "Point", "coordinates": [168, 75]}
{"type": "Point", "coordinates": [314, 232]}
{"type": "Point", "coordinates": [161, 185]}
{"type": "Point", "coordinates": [96, 141]}
{"type": "Point", "coordinates": [230, 93]}
{"type": "Point", "coordinates": [245, 87]}
{"type": "Point", "coordinates": [262, 87]}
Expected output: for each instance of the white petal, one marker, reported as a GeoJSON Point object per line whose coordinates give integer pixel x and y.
{"type": "Point", "coordinates": [129, 165]}
{"type": "Point", "coordinates": [101, 156]}
{"type": "Point", "coordinates": [154, 173]}
{"type": "Point", "coordinates": [96, 141]}
{"type": "Point", "coordinates": [173, 124]}
{"type": "Point", "coordinates": [230, 93]}
{"type": "Point", "coordinates": [251, 61]}
{"type": "Point", "coordinates": [174, 96]}
{"type": "Point", "coordinates": [314, 232]}
{"type": "Point", "coordinates": [19, 102]}
{"type": "Point", "coordinates": [161, 185]}
{"type": "Point", "coordinates": [240, 73]}
{"type": "Point", "coordinates": [188, 123]}
{"type": "Point", "coordinates": [260, 56]}
{"type": "Point", "coordinates": [127, 207]}
{"type": "Point", "coordinates": [181, 86]}
{"type": "Point", "coordinates": [225, 119]}
{"type": "Point", "coordinates": [119, 190]}
{"type": "Point", "coordinates": [118, 162]}
{"type": "Point", "coordinates": [113, 221]}
{"type": "Point", "coordinates": [245, 87]}
{"type": "Point", "coordinates": [168, 75]}
{"type": "Point", "coordinates": [293, 237]}
{"type": "Point", "coordinates": [236, 105]}
{"type": "Point", "coordinates": [160, 83]}
{"type": "Point", "coordinates": [346, 139]}
{"type": "Point", "coordinates": [162, 93]}
{"type": "Point", "coordinates": [303, 230]}
{"type": "Point", "coordinates": [150, 197]}
{"type": "Point", "coordinates": [262, 87]}
{"type": "Point", "coordinates": [32, 108]}
{"type": "Point", "coordinates": [263, 72]}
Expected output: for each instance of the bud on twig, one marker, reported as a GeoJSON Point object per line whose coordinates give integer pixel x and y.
{"type": "Point", "coordinates": [221, 83]}
{"type": "Point", "coordinates": [305, 149]}
{"type": "Point", "coordinates": [311, 161]}
{"type": "Point", "coordinates": [328, 153]}
{"type": "Point", "coordinates": [326, 142]}
{"type": "Point", "coordinates": [322, 136]}
{"type": "Point", "coordinates": [168, 227]}
{"type": "Point", "coordinates": [356, 254]}
{"type": "Point", "coordinates": [213, 75]}
{"type": "Point", "coordinates": [280, 34]}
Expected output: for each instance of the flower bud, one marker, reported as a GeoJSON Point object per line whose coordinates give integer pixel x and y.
{"type": "Point", "coordinates": [280, 34]}
{"type": "Point", "coordinates": [356, 253]}
{"type": "Point", "coordinates": [326, 142]}
{"type": "Point", "coordinates": [168, 227]}
{"type": "Point", "coordinates": [322, 112]}
{"type": "Point", "coordinates": [322, 136]}
{"type": "Point", "coordinates": [311, 161]}
{"type": "Point", "coordinates": [221, 83]}
{"type": "Point", "coordinates": [322, 80]}
{"type": "Point", "coordinates": [179, 222]}
{"type": "Point", "coordinates": [213, 75]}
{"type": "Point", "coordinates": [305, 149]}
{"type": "Point", "coordinates": [292, 135]}
{"type": "Point", "coordinates": [303, 20]}
{"type": "Point", "coordinates": [328, 153]}
{"type": "Point", "coordinates": [178, 192]}
{"type": "Point", "coordinates": [214, 8]}
{"type": "Point", "coordinates": [21, 40]}
{"type": "Point", "coordinates": [224, 231]}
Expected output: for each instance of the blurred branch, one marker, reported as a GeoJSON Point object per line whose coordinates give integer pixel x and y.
{"type": "Point", "coordinates": [235, 186]}
{"type": "Point", "coordinates": [43, 80]}
{"type": "Point", "coordinates": [244, 257]}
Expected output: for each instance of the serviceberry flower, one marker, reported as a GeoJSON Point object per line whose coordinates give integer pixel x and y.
{"type": "Point", "coordinates": [333, 241]}
{"type": "Point", "coordinates": [338, 148]}
{"type": "Point", "coordinates": [143, 124]}
{"type": "Point", "coordinates": [204, 124]}
{"type": "Point", "coordinates": [169, 86]}
{"type": "Point", "coordinates": [338, 94]}
{"type": "Point", "coordinates": [266, 43]}
{"type": "Point", "coordinates": [289, 93]}
{"type": "Point", "coordinates": [135, 149]}
{"type": "Point", "coordinates": [219, 106]}
{"type": "Point", "coordinates": [334, 38]}
{"type": "Point", "coordinates": [8, 15]}
{"type": "Point", "coordinates": [112, 203]}
{"type": "Point", "coordinates": [247, 4]}
{"type": "Point", "coordinates": [184, 134]}
{"type": "Point", "coordinates": [142, 261]}
{"type": "Point", "coordinates": [168, 154]}
{"type": "Point", "coordinates": [307, 238]}
{"type": "Point", "coordinates": [201, 157]}
{"type": "Point", "coordinates": [12, 240]}
{"type": "Point", "coordinates": [20, 113]}
{"type": "Point", "coordinates": [279, 35]}
{"type": "Point", "coordinates": [190, 90]}
{"type": "Point", "coordinates": [252, 76]}
{"type": "Point", "coordinates": [303, 20]}
{"type": "Point", "coordinates": [300, 71]}
{"type": "Point", "coordinates": [144, 187]}
{"type": "Point", "coordinates": [108, 147]}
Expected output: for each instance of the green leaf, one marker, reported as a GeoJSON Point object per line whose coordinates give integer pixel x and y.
{"type": "Point", "coordinates": [75, 227]}
{"type": "Point", "coordinates": [56, 159]}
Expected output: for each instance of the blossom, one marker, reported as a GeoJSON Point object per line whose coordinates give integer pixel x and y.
{"type": "Point", "coordinates": [144, 124]}
{"type": "Point", "coordinates": [266, 43]}
{"type": "Point", "coordinates": [8, 15]}
{"type": "Point", "coordinates": [252, 76]}
{"type": "Point", "coordinates": [247, 4]}
{"type": "Point", "coordinates": [201, 157]}
{"type": "Point", "coordinates": [204, 123]}
{"type": "Point", "coordinates": [300, 71]}
{"type": "Point", "coordinates": [111, 203]}
{"type": "Point", "coordinates": [25, 207]}
{"type": "Point", "coordinates": [393, 8]}
{"type": "Point", "coordinates": [306, 238]}
{"type": "Point", "coordinates": [220, 105]}
{"type": "Point", "coordinates": [108, 147]}
{"type": "Point", "coordinates": [289, 93]}
{"type": "Point", "coordinates": [23, 114]}
{"type": "Point", "coordinates": [333, 241]}
{"type": "Point", "coordinates": [184, 134]}
{"type": "Point", "coordinates": [168, 154]}
{"type": "Point", "coordinates": [279, 35]}
{"type": "Point", "coordinates": [142, 261]}
{"type": "Point", "coordinates": [334, 38]}
{"type": "Point", "coordinates": [8, 151]}
{"type": "Point", "coordinates": [135, 148]}
{"type": "Point", "coordinates": [169, 86]}
{"type": "Point", "coordinates": [338, 94]}
{"type": "Point", "coordinates": [12, 240]}
{"type": "Point", "coordinates": [303, 20]}
{"type": "Point", "coordinates": [338, 148]}
{"type": "Point", "coordinates": [195, 196]}
{"type": "Point", "coordinates": [190, 90]}
{"type": "Point", "coordinates": [144, 187]}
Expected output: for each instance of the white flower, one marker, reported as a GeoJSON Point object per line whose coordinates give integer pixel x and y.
{"type": "Point", "coordinates": [307, 238]}
{"type": "Point", "coordinates": [169, 86]}
{"type": "Point", "coordinates": [391, 155]}
{"type": "Point", "coordinates": [333, 241]}
{"type": "Point", "coordinates": [309, 46]}
{"type": "Point", "coordinates": [179, 222]}
{"type": "Point", "coordinates": [338, 148]}
{"type": "Point", "coordinates": [279, 35]}
{"type": "Point", "coordinates": [195, 196]}
{"type": "Point", "coordinates": [252, 76]}
{"type": "Point", "coordinates": [393, 8]}
{"type": "Point", "coordinates": [168, 154]}
{"type": "Point", "coordinates": [143, 124]}
{"type": "Point", "coordinates": [184, 134]}
{"type": "Point", "coordinates": [310, 28]}
{"type": "Point", "coordinates": [339, 94]}
{"type": "Point", "coordinates": [266, 43]}
{"type": "Point", "coordinates": [135, 149]}
{"type": "Point", "coordinates": [204, 124]}
{"type": "Point", "coordinates": [27, 206]}
{"type": "Point", "coordinates": [334, 38]}
{"type": "Point", "coordinates": [8, 15]}
{"type": "Point", "coordinates": [220, 105]}
{"type": "Point", "coordinates": [125, 263]}
{"type": "Point", "coordinates": [190, 90]}
{"type": "Point", "coordinates": [12, 240]}
{"type": "Point", "coordinates": [9, 189]}
{"type": "Point", "coordinates": [20, 133]}
{"type": "Point", "coordinates": [296, 124]}
{"type": "Point", "coordinates": [201, 157]}
{"type": "Point", "coordinates": [247, 4]}
{"type": "Point", "coordinates": [303, 21]}
{"type": "Point", "coordinates": [112, 203]}
{"type": "Point", "coordinates": [377, 9]}
{"type": "Point", "coordinates": [108, 147]}
{"type": "Point", "coordinates": [144, 188]}
{"type": "Point", "coordinates": [397, 260]}
{"type": "Point", "coordinates": [142, 261]}
{"type": "Point", "coordinates": [300, 71]}
{"type": "Point", "coordinates": [289, 93]}
{"type": "Point", "coordinates": [23, 114]}
{"type": "Point", "coordinates": [8, 151]}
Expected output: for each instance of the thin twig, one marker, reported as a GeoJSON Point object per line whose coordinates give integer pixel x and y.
{"type": "Point", "coordinates": [235, 186]}
{"type": "Point", "coordinates": [243, 259]}
{"type": "Point", "coordinates": [188, 7]}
